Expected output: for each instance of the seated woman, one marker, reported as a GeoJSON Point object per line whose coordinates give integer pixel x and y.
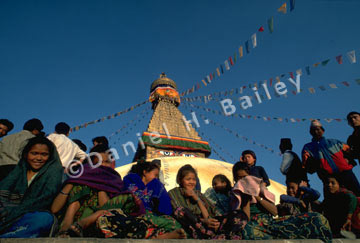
{"type": "Point", "coordinates": [219, 193]}
{"type": "Point", "coordinates": [198, 215]}
{"type": "Point", "coordinates": [341, 207]}
{"type": "Point", "coordinates": [28, 191]}
{"type": "Point", "coordinates": [249, 157]}
{"type": "Point", "coordinates": [251, 195]}
{"type": "Point", "coordinates": [299, 199]}
{"type": "Point", "coordinates": [142, 180]}
{"type": "Point", "coordinates": [98, 188]}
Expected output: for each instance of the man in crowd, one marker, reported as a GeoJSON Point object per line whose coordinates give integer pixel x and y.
{"type": "Point", "coordinates": [353, 140]}
{"type": "Point", "coordinates": [5, 127]}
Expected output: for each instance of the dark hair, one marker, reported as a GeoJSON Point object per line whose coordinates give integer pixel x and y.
{"type": "Point", "coordinates": [38, 140]}
{"type": "Point", "coordinates": [33, 124]}
{"type": "Point", "coordinates": [285, 143]}
{"type": "Point", "coordinates": [183, 171]}
{"type": "Point", "coordinates": [101, 140]}
{"type": "Point", "coordinates": [313, 128]}
{"type": "Point", "coordinates": [80, 144]}
{"type": "Point", "coordinates": [252, 153]}
{"type": "Point", "coordinates": [348, 115]}
{"type": "Point", "coordinates": [292, 180]}
{"type": "Point", "coordinates": [337, 177]}
{"type": "Point", "coordinates": [62, 128]}
{"type": "Point", "coordinates": [222, 178]}
{"type": "Point", "coordinates": [139, 167]}
{"type": "Point", "coordinates": [240, 166]}
{"type": "Point", "coordinates": [7, 123]}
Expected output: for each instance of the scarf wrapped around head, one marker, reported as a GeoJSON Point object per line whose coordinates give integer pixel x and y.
{"type": "Point", "coordinates": [17, 198]}
{"type": "Point", "coordinates": [102, 178]}
{"type": "Point", "coordinates": [250, 185]}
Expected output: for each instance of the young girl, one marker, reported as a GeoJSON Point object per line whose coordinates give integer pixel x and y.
{"type": "Point", "coordinates": [340, 207]}
{"type": "Point", "coordinates": [251, 195]}
{"type": "Point", "coordinates": [219, 193]}
{"type": "Point", "coordinates": [198, 215]}
{"type": "Point", "coordinates": [142, 180]}
{"type": "Point", "coordinates": [28, 191]}
{"type": "Point", "coordinates": [299, 199]}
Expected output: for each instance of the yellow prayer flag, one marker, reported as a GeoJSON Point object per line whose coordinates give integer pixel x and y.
{"type": "Point", "coordinates": [204, 82]}
{"type": "Point", "coordinates": [278, 79]}
{"type": "Point", "coordinates": [241, 51]}
{"type": "Point", "coordinates": [282, 8]}
{"type": "Point", "coordinates": [218, 72]}
{"type": "Point", "coordinates": [316, 64]}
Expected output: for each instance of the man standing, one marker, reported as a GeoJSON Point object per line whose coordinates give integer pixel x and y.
{"type": "Point", "coordinates": [5, 127]}
{"type": "Point", "coordinates": [11, 146]}
{"type": "Point", "coordinates": [67, 149]}
{"type": "Point", "coordinates": [326, 156]}
{"type": "Point", "coordinates": [353, 140]}
{"type": "Point", "coordinates": [291, 165]}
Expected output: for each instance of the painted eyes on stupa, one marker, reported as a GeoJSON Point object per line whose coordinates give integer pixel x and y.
{"type": "Point", "coordinates": [187, 155]}
{"type": "Point", "coordinates": [166, 153]}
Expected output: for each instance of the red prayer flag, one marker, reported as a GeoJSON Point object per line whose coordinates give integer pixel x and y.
{"type": "Point", "coordinates": [270, 82]}
{"type": "Point", "coordinates": [291, 75]}
{"type": "Point", "coordinates": [231, 61]}
{"type": "Point", "coordinates": [261, 29]}
{"type": "Point", "coordinates": [339, 59]}
{"type": "Point", "coordinates": [346, 84]}
{"type": "Point", "coordinates": [211, 77]}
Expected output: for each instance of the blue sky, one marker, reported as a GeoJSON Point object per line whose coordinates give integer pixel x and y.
{"type": "Point", "coordinates": [77, 61]}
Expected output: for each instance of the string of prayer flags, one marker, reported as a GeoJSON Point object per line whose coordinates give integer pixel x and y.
{"type": "Point", "coordinates": [76, 128]}
{"type": "Point", "coordinates": [282, 9]}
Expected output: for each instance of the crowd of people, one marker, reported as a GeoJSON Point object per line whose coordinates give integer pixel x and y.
{"type": "Point", "coordinates": [38, 198]}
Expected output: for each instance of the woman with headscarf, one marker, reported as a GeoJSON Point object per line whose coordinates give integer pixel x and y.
{"type": "Point", "coordinates": [28, 191]}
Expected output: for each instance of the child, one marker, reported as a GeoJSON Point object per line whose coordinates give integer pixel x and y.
{"type": "Point", "coordinates": [340, 207]}
{"type": "Point", "coordinates": [299, 199]}
{"type": "Point", "coordinates": [249, 157]}
{"type": "Point", "coordinates": [218, 194]}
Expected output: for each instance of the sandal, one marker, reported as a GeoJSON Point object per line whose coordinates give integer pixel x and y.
{"type": "Point", "coordinates": [75, 230]}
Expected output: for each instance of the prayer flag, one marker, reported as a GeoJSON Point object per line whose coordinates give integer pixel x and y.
{"type": "Point", "coordinates": [333, 86]}
{"type": "Point", "coordinates": [307, 70]}
{"type": "Point", "coordinates": [241, 51]}
{"type": "Point", "coordinates": [339, 59]}
{"type": "Point", "coordinates": [253, 38]}
{"type": "Point", "coordinates": [346, 83]}
{"type": "Point", "coordinates": [222, 69]}
{"type": "Point", "coordinates": [271, 81]}
{"type": "Point", "coordinates": [299, 72]}
{"type": "Point", "coordinates": [211, 77]}
{"type": "Point", "coordinates": [282, 9]}
{"type": "Point", "coordinates": [261, 29]}
{"type": "Point", "coordinates": [218, 72]}
{"type": "Point", "coordinates": [235, 57]}
{"type": "Point", "coordinates": [292, 75]}
{"type": "Point", "coordinates": [208, 79]}
{"type": "Point", "coordinates": [316, 64]}
{"type": "Point", "coordinates": [227, 65]}
{"type": "Point", "coordinates": [325, 62]}
{"type": "Point", "coordinates": [351, 56]}
{"type": "Point", "coordinates": [214, 75]}
{"type": "Point", "coordinates": [357, 81]}
{"type": "Point", "coordinates": [271, 24]}
{"type": "Point", "coordinates": [292, 5]}
{"type": "Point", "coordinates": [231, 61]}
{"type": "Point", "coordinates": [312, 90]}
{"type": "Point", "coordinates": [247, 46]}
{"type": "Point", "coordinates": [204, 82]}
{"type": "Point", "coordinates": [282, 75]}
{"type": "Point", "coordinates": [278, 79]}
{"type": "Point", "coordinates": [322, 88]}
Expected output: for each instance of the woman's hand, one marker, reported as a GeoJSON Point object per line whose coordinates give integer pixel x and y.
{"type": "Point", "coordinates": [211, 223]}
{"type": "Point", "coordinates": [191, 193]}
{"type": "Point", "coordinates": [347, 225]}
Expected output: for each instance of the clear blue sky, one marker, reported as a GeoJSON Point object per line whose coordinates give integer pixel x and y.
{"type": "Point", "coordinates": [77, 61]}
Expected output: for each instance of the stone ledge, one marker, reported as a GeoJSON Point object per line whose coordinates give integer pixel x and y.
{"type": "Point", "coordinates": [98, 240]}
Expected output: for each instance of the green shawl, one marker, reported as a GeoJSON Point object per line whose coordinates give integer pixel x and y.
{"type": "Point", "coordinates": [17, 199]}
{"type": "Point", "coordinates": [178, 199]}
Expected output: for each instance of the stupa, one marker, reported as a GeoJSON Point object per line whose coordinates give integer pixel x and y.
{"type": "Point", "coordinates": [167, 133]}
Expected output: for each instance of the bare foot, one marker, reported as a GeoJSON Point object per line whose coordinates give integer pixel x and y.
{"type": "Point", "coordinates": [176, 234]}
